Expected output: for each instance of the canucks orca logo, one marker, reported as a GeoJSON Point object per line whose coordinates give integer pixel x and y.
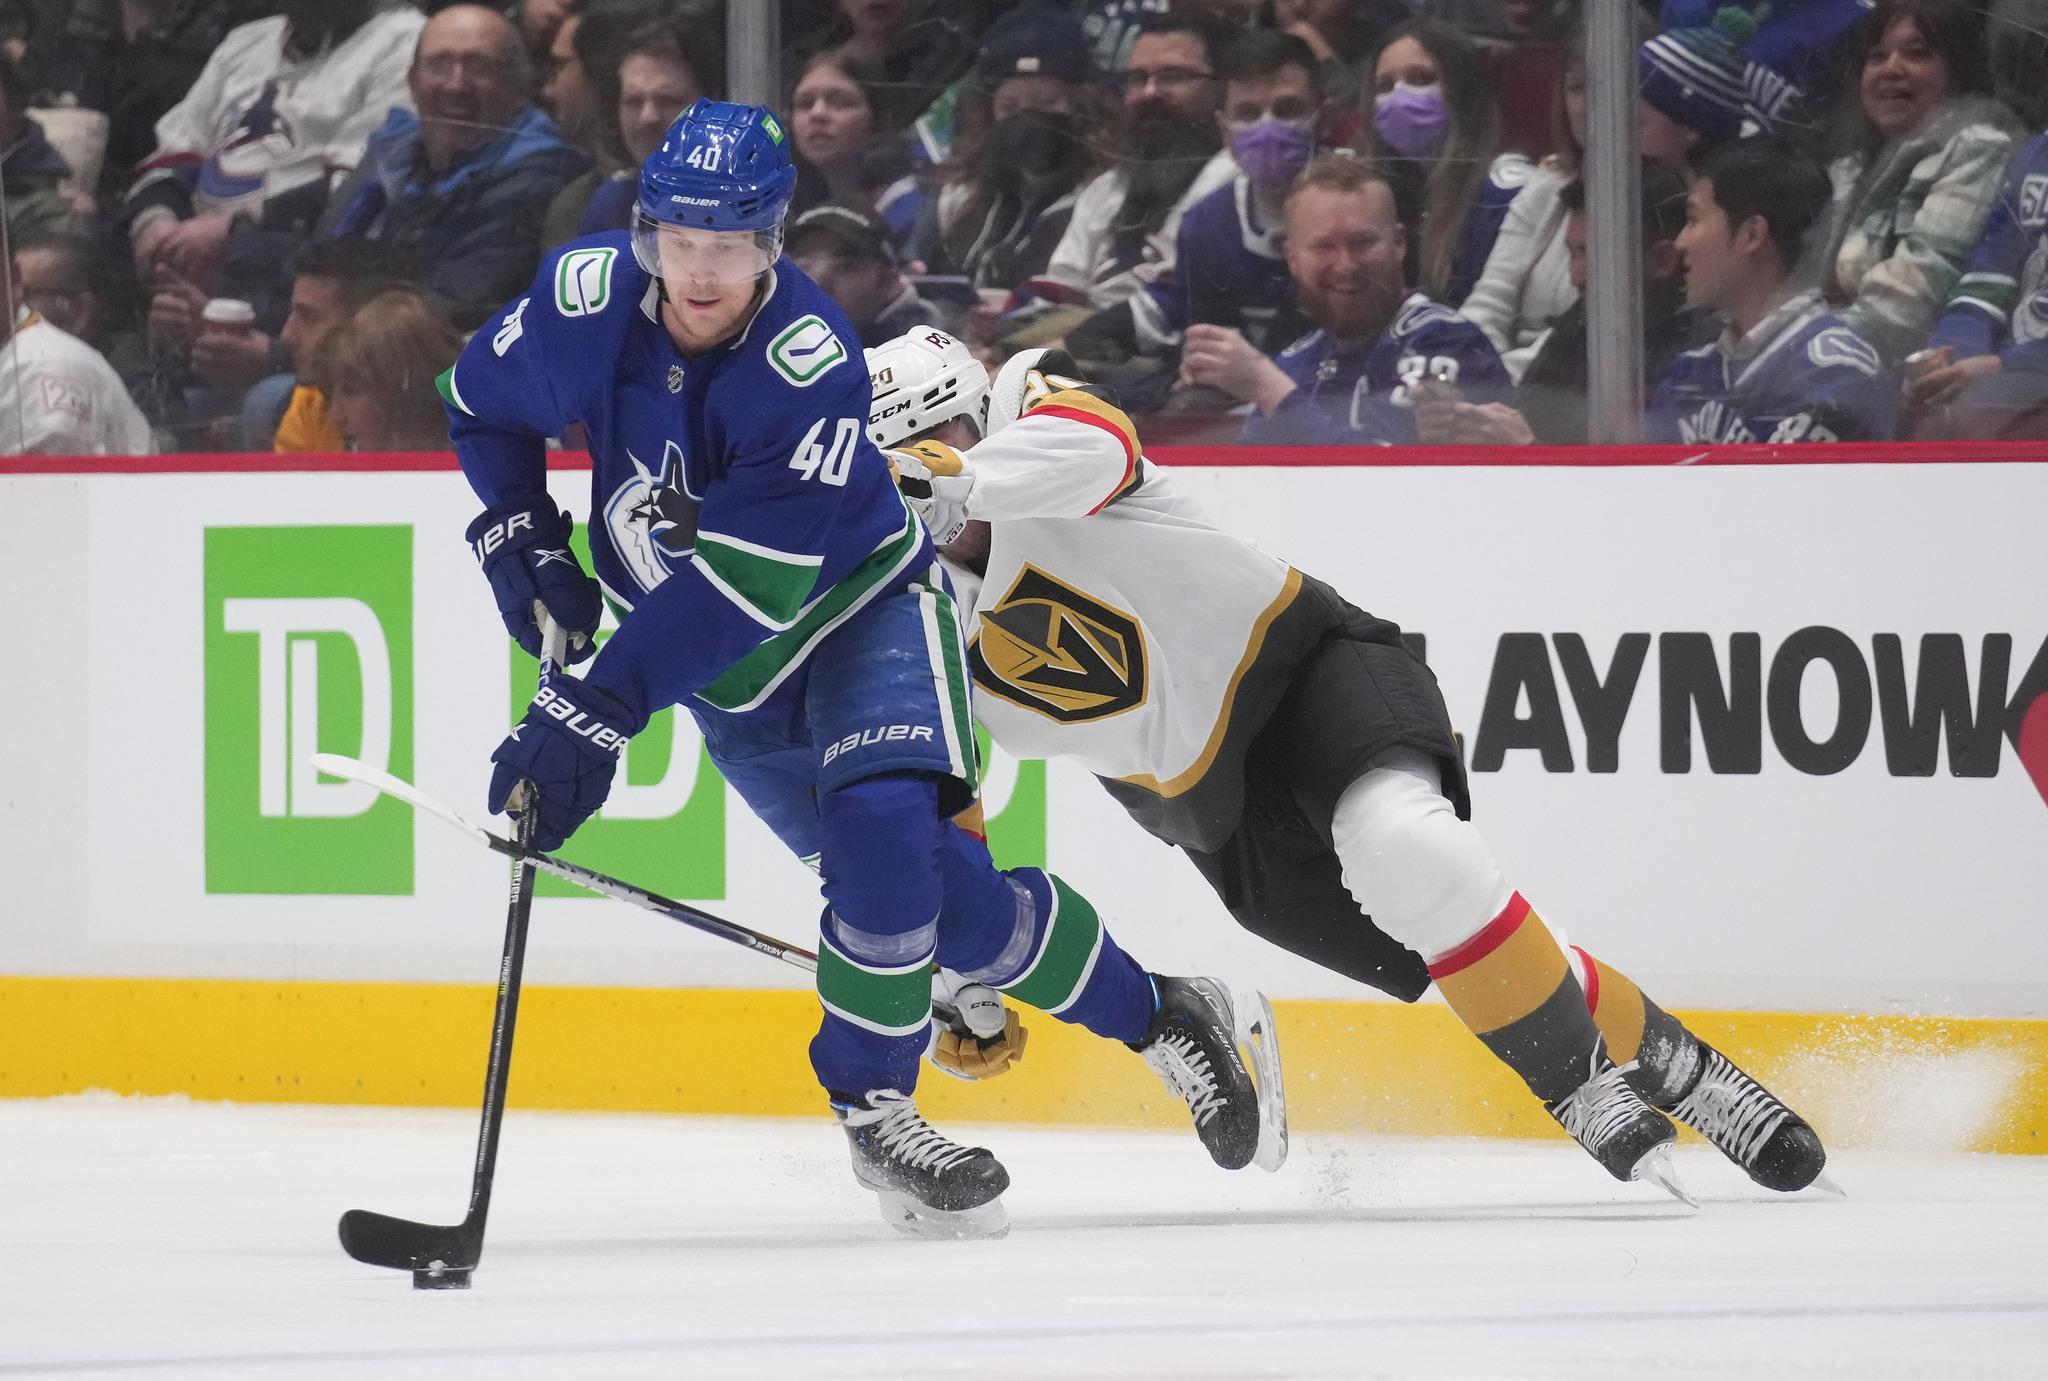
{"type": "Point", "coordinates": [1048, 647]}
{"type": "Point", "coordinates": [652, 518]}
{"type": "Point", "coordinates": [258, 140]}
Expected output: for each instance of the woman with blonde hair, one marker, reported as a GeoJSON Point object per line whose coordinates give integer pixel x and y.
{"type": "Point", "coordinates": [378, 370]}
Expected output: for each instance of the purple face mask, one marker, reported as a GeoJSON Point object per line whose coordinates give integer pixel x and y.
{"type": "Point", "coordinates": [1412, 119]}
{"type": "Point", "coordinates": [1271, 152]}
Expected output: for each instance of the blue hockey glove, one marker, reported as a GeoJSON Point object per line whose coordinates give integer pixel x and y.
{"type": "Point", "coordinates": [522, 544]}
{"type": "Point", "coordinates": [568, 746]}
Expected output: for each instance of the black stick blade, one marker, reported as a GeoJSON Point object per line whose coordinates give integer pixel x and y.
{"type": "Point", "coordinates": [377, 1239]}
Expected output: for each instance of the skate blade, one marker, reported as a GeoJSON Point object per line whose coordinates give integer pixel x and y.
{"type": "Point", "coordinates": [1656, 1168]}
{"type": "Point", "coordinates": [1259, 1038]}
{"type": "Point", "coordinates": [908, 1216]}
{"type": "Point", "coordinates": [1824, 1183]}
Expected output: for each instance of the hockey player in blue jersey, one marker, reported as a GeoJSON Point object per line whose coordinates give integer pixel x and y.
{"type": "Point", "coordinates": [1785, 368]}
{"type": "Point", "coordinates": [1989, 352]}
{"type": "Point", "coordinates": [1348, 381]}
{"type": "Point", "coordinates": [772, 581]}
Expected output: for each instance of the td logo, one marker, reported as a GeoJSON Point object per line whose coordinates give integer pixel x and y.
{"type": "Point", "coordinates": [308, 649]}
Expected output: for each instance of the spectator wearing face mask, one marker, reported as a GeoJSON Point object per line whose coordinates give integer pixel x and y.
{"type": "Point", "coordinates": [1436, 132]}
{"type": "Point", "coordinates": [1167, 159]}
{"type": "Point", "coordinates": [1341, 34]}
{"type": "Point", "coordinates": [1027, 142]}
{"type": "Point", "coordinates": [1350, 381]}
{"type": "Point", "coordinates": [1228, 268]}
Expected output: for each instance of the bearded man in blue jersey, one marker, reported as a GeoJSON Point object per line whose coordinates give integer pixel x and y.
{"type": "Point", "coordinates": [770, 580]}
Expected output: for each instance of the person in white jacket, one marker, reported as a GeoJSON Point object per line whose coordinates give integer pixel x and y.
{"type": "Point", "coordinates": [59, 396]}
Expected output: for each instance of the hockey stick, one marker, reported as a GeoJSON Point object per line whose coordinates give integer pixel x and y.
{"type": "Point", "coordinates": [335, 765]}
{"type": "Point", "coordinates": [441, 1258]}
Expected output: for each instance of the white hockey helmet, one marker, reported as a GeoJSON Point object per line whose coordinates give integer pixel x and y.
{"type": "Point", "coordinates": [923, 379]}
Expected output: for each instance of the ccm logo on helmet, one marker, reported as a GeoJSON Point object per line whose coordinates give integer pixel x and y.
{"type": "Point", "coordinates": [601, 737]}
{"type": "Point", "coordinates": [894, 733]}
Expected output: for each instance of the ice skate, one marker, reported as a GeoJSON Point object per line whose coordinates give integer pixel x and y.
{"type": "Point", "coordinates": [929, 1186]}
{"type": "Point", "coordinates": [1193, 1046]}
{"type": "Point", "coordinates": [1626, 1135]}
{"type": "Point", "coordinates": [1749, 1124]}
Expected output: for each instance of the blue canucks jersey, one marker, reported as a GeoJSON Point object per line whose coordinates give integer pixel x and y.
{"type": "Point", "coordinates": [737, 509]}
{"type": "Point", "coordinates": [1228, 270]}
{"type": "Point", "coordinates": [2001, 304]}
{"type": "Point", "coordinates": [1799, 375]}
{"type": "Point", "coordinates": [1504, 182]}
{"type": "Point", "coordinates": [1353, 397]}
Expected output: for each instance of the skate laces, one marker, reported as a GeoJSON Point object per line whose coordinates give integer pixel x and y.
{"type": "Point", "coordinates": [1178, 1058]}
{"type": "Point", "coordinates": [1600, 1107]}
{"type": "Point", "coordinates": [1732, 1110]}
{"type": "Point", "coordinates": [902, 1132]}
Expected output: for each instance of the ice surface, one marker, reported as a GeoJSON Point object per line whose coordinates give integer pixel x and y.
{"type": "Point", "coordinates": [164, 1239]}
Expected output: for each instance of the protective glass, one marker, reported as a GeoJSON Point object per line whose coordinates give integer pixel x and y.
{"type": "Point", "coordinates": [687, 254]}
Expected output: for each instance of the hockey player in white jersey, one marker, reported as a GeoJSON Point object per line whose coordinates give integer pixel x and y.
{"type": "Point", "coordinates": [1287, 741]}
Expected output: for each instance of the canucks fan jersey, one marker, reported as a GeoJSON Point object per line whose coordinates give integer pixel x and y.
{"type": "Point", "coordinates": [1799, 375]}
{"type": "Point", "coordinates": [2001, 304]}
{"type": "Point", "coordinates": [737, 508]}
{"type": "Point", "coordinates": [1083, 640]}
{"type": "Point", "coordinates": [1505, 180]}
{"type": "Point", "coordinates": [1228, 270]}
{"type": "Point", "coordinates": [1353, 397]}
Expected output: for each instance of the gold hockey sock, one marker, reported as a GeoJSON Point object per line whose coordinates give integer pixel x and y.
{"type": "Point", "coordinates": [1513, 986]}
{"type": "Point", "coordinates": [1667, 1055]}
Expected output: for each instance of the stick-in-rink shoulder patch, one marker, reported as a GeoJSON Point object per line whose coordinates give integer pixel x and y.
{"type": "Point", "coordinates": [805, 351]}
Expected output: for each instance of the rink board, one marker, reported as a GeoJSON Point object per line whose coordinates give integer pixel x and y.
{"type": "Point", "coordinates": [1771, 738]}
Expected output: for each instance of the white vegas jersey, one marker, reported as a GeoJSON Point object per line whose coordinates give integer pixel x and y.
{"type": "Point", "coordinates": [1117, 625]}
{"type": "Point", "coordinates": [59, 396]}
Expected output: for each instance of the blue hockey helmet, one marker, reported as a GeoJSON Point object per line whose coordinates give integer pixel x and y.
{"type": "Point", "coordinates": [722, 167]}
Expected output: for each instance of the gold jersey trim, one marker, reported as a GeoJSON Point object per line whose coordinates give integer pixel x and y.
{"type": "Point", "coordinates": [1253, 646]}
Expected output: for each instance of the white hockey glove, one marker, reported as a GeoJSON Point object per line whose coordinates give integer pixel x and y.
{"type": "Point", "coordinates": [977, 1036]}
{"type": "Point", "coordinates": [937, 480]}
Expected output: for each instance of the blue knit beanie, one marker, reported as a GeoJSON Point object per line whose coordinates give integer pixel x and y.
{"type": "Point", "coordinates": [1698, 76]}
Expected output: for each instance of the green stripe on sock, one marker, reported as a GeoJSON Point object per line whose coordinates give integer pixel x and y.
{"type": "Point", "coordinates": [1063, 962]}
{"type": "Point", "coordinates": [895, 1002]}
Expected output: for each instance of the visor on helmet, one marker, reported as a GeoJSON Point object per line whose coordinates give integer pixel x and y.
{"type": "Point", "coordinates": [682, 254]}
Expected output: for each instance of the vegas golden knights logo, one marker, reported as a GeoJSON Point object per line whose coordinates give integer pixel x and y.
{"type": "Point", "coordinates": [1050, 648]}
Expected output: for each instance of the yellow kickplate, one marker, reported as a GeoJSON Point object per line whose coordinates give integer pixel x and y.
{"type": "Point", "coordinates": [1903, 1082]}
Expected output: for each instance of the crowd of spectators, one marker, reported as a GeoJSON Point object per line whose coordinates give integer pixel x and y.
{"type": "Point", "coordinates": [256, 224]}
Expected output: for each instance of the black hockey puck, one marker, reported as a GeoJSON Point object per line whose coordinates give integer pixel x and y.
{"type": "Point", "coordinates": [440, 1280]}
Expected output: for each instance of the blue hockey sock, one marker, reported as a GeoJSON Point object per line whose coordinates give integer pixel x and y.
{"type": "Point", "coordinates": [1048, 948]}
{"type": "Point", "coordinates": [880, 841]}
